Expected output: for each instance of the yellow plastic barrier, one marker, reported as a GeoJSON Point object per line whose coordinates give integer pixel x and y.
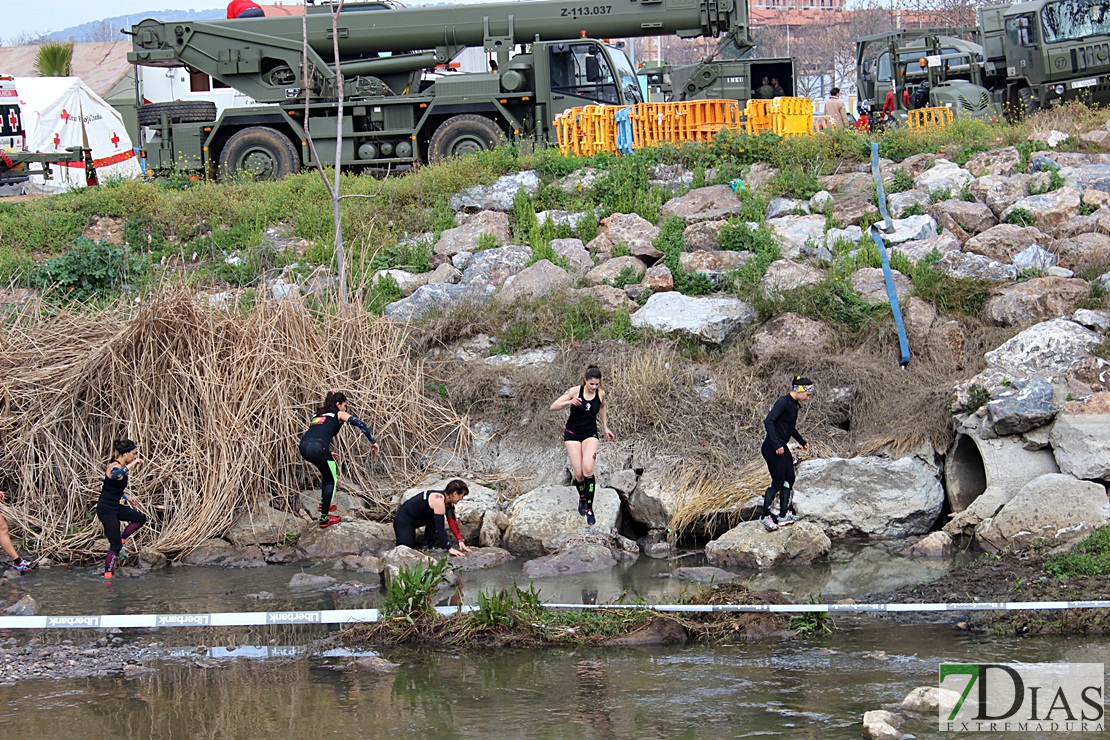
{"type": "Point", "coordinates": [758, 113]}
{"type": "Point", "coordinates": [820, 123]}
{"type": "Point", "coordinates": [792, 116]}
{"type": "Point", "coordinates": [929, 118]}
{"type": "Point", "coordinates": [586, 130]}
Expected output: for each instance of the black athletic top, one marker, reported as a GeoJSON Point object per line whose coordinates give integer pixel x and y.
{"type": "Point", "coordinates": [781, 422]}
{"type": "Point", "coordinates": [417, 512]}
{"type": "Point", "coordinates": [112, 490]}
{"type": "Point", "coordinates": [322, 428]}
{"type": "Point", "coordinates": [583, 417]}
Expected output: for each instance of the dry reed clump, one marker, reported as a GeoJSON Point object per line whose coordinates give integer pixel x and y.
{"type": "Point", "coordinates": [217, 402]}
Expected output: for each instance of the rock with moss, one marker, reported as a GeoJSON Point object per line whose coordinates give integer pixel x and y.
{"type": "Point", "coordinates": [1049, 209]}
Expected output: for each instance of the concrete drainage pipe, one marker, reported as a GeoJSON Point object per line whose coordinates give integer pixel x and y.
{"type": "Point", "coordinates": [973, 464]}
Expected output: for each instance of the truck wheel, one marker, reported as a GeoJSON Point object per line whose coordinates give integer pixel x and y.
{"type": "Point", "coordinates": [464, 134]}
{"type": "Point", "coordinates": [190, 111]}
{"type": "Point", "coordinates": [258, 153]}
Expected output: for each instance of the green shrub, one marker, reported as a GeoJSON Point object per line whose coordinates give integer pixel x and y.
{"type": "Point", "coordinates": [411, 254]}
{"type": "Point", "coordinates": [1055, 182]}
{"type": "Point", "coordinates": [914, 209]}
{"type": "Point", "coordinates": [486, 241]}
{"type": "Point", "coordinates": [977, 397]}
{"type": "Point", "coordinates": [902, 182]}
{"type": "Point", "coordinates": [91, 269]}
{"type": "Point", "coordinates": [383, 292]}
{"type": "Point", "coordinates": [409, 593]}
{"type": "Point", "coordinates": [948, 294]}
{"type": "Point", "coordinates": [1020, 217]}
{"type": "Point", "coordinates": [795, 182]}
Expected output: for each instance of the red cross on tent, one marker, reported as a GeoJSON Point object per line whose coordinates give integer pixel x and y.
{"type": "Point", "coordinates": [65, 115]}
{"type": "Point", "coordinates": [115, 140]}
{"type": "Point", "coordinates": [13, 119]}
{"type": "Point", "coordinates": [57, 140]}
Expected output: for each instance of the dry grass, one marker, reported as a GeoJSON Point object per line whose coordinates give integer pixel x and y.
{"type": "Point", "coordinates": [1073, 119]}
{"type": "Point", "coordinates": [217, 402]}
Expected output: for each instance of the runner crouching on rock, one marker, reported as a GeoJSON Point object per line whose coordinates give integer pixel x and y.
{"type": "Point", "coordinates": [9, 549]}
{"type": "Point", "coordinates": [434, 511]}
{"type": "Point", "coordinates": [112, 508]}
{"type": "Point", "coordinates": [316, 447]}
{"type": "Point", "coordinates": [781, 425]}
{"type": "Point", "coordinates": [586, 403]}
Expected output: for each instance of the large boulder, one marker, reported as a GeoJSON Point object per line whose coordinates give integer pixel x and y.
{"type": "Point", "coordinates": [1000, 162]}
{"type": "Point", "coordinates": [574, 252]}
{"type": "Point", "coordinates": [1080, 437]}
{"type": "Point", "coordinates": [997, 193]}
{"type": "Point", "coordinates": [970, 218]}
{"type": "Point", "coordinates": [1025, 405]}
{"type": "Point", "coordinates": [437, 296]}
{"type": "Point", "coordinates": [795, 232]}
{"type": "Point", "coordinates": [911, 228]}
{"type": "Point", "coordinates": [1036, 300]}
{"type": "Point", "coordinates": [787, 331]}
{"type": "Point", "coordinates": [264, 526]}
{"type": "Point", "coordinates": [499, 196]}
{"type": "Point", "coordinates": [712, 320]}
{"type": "Point", "coordinates": [713, 203]}
{"type": "Point", "coordinates": [1050, 510]}
{"type": "Point", "coordinates": [538, 279]}
{"type": "Point", "coordinates": [402, 557]}
{"type": "Point", "coordinates": [899, 203]}
{"type": "Point", "coordinates": [492, 267]}
{"type": "Point", "coordinates": [628, 230]}
{"type": "Point", "coordinates": [655, 497]}
{"type": "Point", "coordinates": [1049, 348]}
{"type": "Point", "coordinates": [1003, 241]}
{"type": "Point", "coordinates": [870, 284]}
{"type": "Point", "coordinates": [346, 538]}
{"type": "Point", "coordinates": [609, 270]}
{"type": "Point", "coordinates": [713, 262]}
{"type": "Point", "coordinates": [464, 238]}
{"type": "Point", "coordinates": [1082, 251]}
{"type": "Point", "coordinates": [786, 274]}
{"type": "Point", "coordinates": [1049, 209]}
{"type": "Point", "coordinates": [224, 554]}
{"type": "Point", "coordinates": [703, 235]}
{"type": "Point", "coordinates": [870, 496]}
{"type": "Point", "coordinates": [548, 511]}
{"type": "Point", "coordinates": [749, 545]}
{"type": "Point", "coordinates": [481, 558]}
{"type": "Point", "coordinates": [943, 176]}
{"type": "Point", "coordinates": [582, 553]}
{"type": "Point", "coordinates": [967, 266]}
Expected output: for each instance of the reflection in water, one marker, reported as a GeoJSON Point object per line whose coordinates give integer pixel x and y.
{"type": "Point", "coordinates": [800, 688]}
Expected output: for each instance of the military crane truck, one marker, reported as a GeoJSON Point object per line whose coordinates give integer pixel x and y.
{"type": "Point", "coordinates": [393, 114]}
{"type": "Point", "coordinates": [718, 79]}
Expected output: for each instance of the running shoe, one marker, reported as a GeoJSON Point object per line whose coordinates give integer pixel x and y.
{"type": "Point", "coordinates": [790, 518]}
{"type": "Point", "coordinates": [25, 565]}
{"type": "Point", "coordinates": [107, 575]}
{"type": "Point", "coordinates": [582, 506]}
{"type": "Point", "coordinates": [590, 518]}
{"type": "Point", "coordinates": [332, 519]}
{"type": "Point", "coordinates": [769, 523]}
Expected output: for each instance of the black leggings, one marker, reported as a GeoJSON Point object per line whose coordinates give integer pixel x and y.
{"type": "Point", "coordinates": [405, 530]}
{"type": "Point", "coordinates": [111, 516]}
{"type": "Point", "coordinates": [320, 456]}
{"type": "Point", "coordinates": [781, 468]}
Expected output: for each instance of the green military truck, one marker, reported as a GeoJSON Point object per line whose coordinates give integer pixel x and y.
{"type": "Point", "coordinates": [393, 115]}
{"type": "Point", "coordinates": [1046, 52]}
{"type": "Point", "coordinates": [1020, 58]}
{"type": "Point", "coordinates": [927, 67]}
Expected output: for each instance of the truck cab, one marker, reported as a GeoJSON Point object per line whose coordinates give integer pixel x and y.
{"type": "Point", "coordinates": [13, 139]}
{"type": "Point", "coordinates": [1049, 51]}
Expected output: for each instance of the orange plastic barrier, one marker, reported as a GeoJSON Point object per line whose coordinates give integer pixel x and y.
{"type": "Point", "coordinates": [930, 118]}
{"type": "Point", "coordinates": [792, 116]}
{"type": "Point", "coordinates": [586, 130]}
{"type": "Point", "coordinates": [690, 120]}
{"type": "Point", "coordinates": [758, 113]}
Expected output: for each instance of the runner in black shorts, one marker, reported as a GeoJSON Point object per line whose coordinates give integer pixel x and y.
{"type": "Point", "coordinates": [587, 404]}
{"type": "Point", "coordinates": [316, 447]}
{"type": "Point", "coordinates": [781, 425]}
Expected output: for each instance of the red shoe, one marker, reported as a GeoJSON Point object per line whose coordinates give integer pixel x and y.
{"type": "Point", "coordinates": [108, 575]}
{"type": "Point", "coordinates": [332, 519]}
{"type": "Point", "coordinates": [331, 508]}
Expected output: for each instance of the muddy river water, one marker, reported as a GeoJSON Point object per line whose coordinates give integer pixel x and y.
{"type": "Point", "coordinates": [270, 682]}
